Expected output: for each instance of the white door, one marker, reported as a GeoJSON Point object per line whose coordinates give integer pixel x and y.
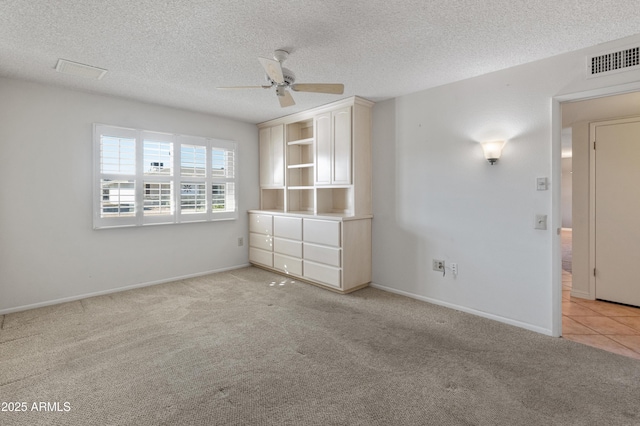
{"type": "Point", "coordinates": [322, 125]}
{"type": "Point", "coordinates": [266, 168]}
{"type": "Point", "coordinates": [617, 210]}
{"type": "Point", "coordinates": [341, 147]}
{"type": "Point", "coordinates": [272, 156]}
{"type": "Point", "coordinates": [277, 154]}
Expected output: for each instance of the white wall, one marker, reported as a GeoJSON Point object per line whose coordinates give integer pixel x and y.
{"type": "Point", "coordinates": [567, 182]}
{"type": "Point", "coordinates": [48, 249]}
{"type": "Point", "coordinates": [436, 197]}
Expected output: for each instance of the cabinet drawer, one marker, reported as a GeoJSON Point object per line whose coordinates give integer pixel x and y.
{"type": "Point", "coordinates": [288, 264]}
{"type": "Point", "coordinates": [325, 232]}
{"type": "Point", "coordinates": [261, 223]}
{"type": "Point", "coordinates": [261, 256]}
{"type": "Point", "coordinates": [287, 227]}
{"type": "Point", "coordinates": [288, 247]}
{"type": "Point", "coordinates": [323, 273]}
{"type": "Point", "coordinates": [322, 254]}
{"type": "Point", "coordinates": [260, 241]}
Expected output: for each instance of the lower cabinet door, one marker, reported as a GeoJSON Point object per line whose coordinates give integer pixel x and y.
{"type": "Point", "coordinates": [287, 247]}
{"type": "Point", "coordinates": [287, 227]}
{"type": "Point", "coordinates": [322, 254]}
{"type": "Point", "coordinates": [261, 223]}
{"type": "Point", "coordinates": [323, 273]}
{"type": "Point", "coordinates": [325, 232]}
{"type": "Point", "coordinates": [287, 264]}
{"type": "Point", "coordinates": [260, 256]}
{"type": "Point", "coordinates": [260, 241]}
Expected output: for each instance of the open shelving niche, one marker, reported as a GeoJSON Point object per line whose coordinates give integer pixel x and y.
{"type": "Point", "coordinates": [272, 199]}
{"type": "Point", "coordinates": [300, 167]}
{"type": "Point", "coordinates": [334, 200]}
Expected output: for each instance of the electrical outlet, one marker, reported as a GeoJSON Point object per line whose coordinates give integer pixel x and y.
{"type": "Point", "coordinates": [454, 268]}
{"type": "Point", "coordinates": [438, 265]}
{"type": "Point", "coordinates": [240, 241]}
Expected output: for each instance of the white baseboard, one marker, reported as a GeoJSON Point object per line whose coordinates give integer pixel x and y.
{"type": "Point", "coordinates": [114, 290]}
{"type": "Point", "coordinates": [498, 318]}
{"type": "Point", "coordinates": [581, 294]}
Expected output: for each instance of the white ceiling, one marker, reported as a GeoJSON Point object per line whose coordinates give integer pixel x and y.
{"type": "Point", "coordinates": [176, 52]}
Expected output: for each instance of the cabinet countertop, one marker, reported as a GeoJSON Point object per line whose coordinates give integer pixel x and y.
{"type": "Point", "coordinates": [304, 215]}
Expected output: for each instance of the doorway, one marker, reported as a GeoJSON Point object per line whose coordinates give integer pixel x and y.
{"type": "Point", "coordinates": [597, 323]}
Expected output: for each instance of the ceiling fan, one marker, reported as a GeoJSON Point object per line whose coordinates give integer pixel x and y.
{"type": "Point", "coordinates": [282, 79]}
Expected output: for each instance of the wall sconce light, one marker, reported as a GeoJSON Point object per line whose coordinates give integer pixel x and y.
{"type": "Point", "coordinates": [492, 151]}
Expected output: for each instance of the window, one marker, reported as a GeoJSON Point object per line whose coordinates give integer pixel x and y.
{"type": "Point", "coordinates": [144, 177]}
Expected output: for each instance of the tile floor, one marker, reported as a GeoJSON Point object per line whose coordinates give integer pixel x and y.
{"type": "Point", "coordinates": [608, 326]}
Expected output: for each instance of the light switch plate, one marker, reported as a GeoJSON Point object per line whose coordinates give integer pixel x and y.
{"type": "Point", "coordinates": [541, 221]}
{"type": "Point", "coordinates": [542, 184]}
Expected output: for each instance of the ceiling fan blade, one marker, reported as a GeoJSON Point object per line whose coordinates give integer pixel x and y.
{"type": "Point", "coordinates": [273, 69]}
{"type": "Point", "coordinates": [336, 89]}
{"type": "Point", "coordinates": [286, 100]}
{"type": "Point", "coordinates": [243, 87]}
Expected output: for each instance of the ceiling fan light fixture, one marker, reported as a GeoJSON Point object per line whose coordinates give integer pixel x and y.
{"type": "Point", "coordinates": [288, 78]}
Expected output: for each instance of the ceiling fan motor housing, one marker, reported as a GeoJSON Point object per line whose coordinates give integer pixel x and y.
{"type": "Point", "coordinates": [287, 74]}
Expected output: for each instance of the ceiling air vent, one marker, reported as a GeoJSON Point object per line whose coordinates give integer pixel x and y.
{"type": "Point", "coordinates": [75, 68]}
{"type": "Point", "coordinates": [609, 63]}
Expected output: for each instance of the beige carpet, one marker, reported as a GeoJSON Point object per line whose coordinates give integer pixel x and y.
{"type": "Point", "coordinates": [248, 347]}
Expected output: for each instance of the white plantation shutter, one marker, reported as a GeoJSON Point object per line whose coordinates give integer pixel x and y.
{"type": "Point", "coordinates": [223, 177]}
{"type": "Point", "coordinates": [157, 170]}
{"type": "Point", "coordinates": [193, 197]}
{"type": "Point", "coordinates": [117, 198]}
{"type": "Point", "coordinates": [193, 179]}
{"type": "Point", "coordinates": [143, 177]}
{"type": "Point", "coordinates": [158, 158]}
{"type": "Point", "coordinates": [193, 160]}
{"type": "Point", "coordinates": [115, 157]}
{"type": "Point", "coordinates": [158, 198]}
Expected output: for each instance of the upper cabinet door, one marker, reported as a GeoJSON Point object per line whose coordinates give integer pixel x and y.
{"type": "Point", "coordinates": [266, 171]}
{"type": "Point", "coordinates": [323, 148]}
{"type": "Point", "coordinates": [272, 156]}
{"type": "Point", "coordinates": [341, 147]}
{"type": "Point", "coordinates": [277, 153]}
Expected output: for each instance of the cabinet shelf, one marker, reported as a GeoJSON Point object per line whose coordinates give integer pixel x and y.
{"type": "Point", "coordinates": [307, 141]}
{"type": "Point", "coordinates": [301, 187]}
{"type": "Point", "coordinates": [300, 166]}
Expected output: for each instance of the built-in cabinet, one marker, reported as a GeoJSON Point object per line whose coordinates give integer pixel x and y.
{"type": "Point", "coordinates": [316, 223]}
{"type": "Point", "coordinates": [333, 252]}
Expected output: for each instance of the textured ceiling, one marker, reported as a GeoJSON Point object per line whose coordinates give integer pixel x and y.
{"type": "Point", "coordinates": [176, 52]}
